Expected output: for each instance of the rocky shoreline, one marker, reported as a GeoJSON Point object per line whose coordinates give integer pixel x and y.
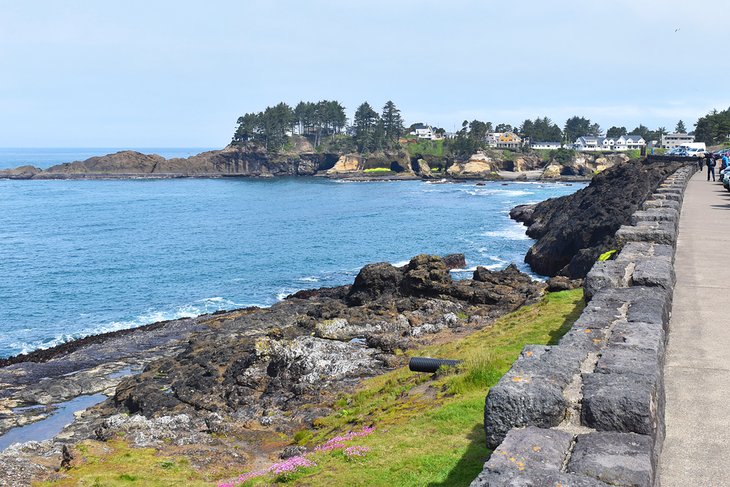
{"type": "Point", "coordinates": [252, 373]}
{"type": "Point", "coordinates": [255, 373]}
{"type": "Point", "coordinates": [302, 160]}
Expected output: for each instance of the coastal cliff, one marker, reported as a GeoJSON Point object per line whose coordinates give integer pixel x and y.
{"type": "Point", "coordinates": [574, 230]}
{"type": "Point", "coordinates": [302, 160]}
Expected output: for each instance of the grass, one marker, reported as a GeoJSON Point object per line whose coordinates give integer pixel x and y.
{"type": "Point", "coordinates": [424, 147]}
{"type": "Point", "coordinates": [115, 463]}
{"type": "Point", "coordinates": [428, 428]}
{"type": "Point", "coordinates": [377, 170]}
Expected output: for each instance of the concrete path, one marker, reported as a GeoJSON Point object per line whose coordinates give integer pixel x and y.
{"type": "Point", "coordinates": [697, 371]}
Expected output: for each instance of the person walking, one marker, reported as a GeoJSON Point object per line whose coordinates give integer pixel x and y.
{"type": "Point", "coordinates": [708, 156]}
{"type": "Point", "coordinates": [711, 168]}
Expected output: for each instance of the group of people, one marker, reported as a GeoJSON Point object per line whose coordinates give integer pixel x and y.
{"type": "Point", "coordinates": [711, 161]}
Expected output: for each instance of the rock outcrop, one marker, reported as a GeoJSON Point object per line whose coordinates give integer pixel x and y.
{"type": "Point", "coordinates": [479, 166]}
{"type": "Point", "coordinates": [347, 163]}
{"type": "Point", "coordinates": [231, 161]}
{"type": "Point", "coordinates": [322, 343]}
{"type": "Point", "coordinates": [572, 231]}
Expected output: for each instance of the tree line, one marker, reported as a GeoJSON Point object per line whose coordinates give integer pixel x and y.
{"type": "Point", "coordinates": [373, 131]}
{"type": "Point", "coordinates": [713, 128]}
{"type": "Point", "coordinates": [271, 127]}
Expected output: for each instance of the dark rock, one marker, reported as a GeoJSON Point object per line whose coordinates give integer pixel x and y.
{"type": "Point", "coordinates": [624, 359]}
{"type": "Point", "coordinates": [607, 274]}
{"type": "Point", "coordinates": [67, 457]}
{"type": "Point", "coordinates": [654, 271]}
{"type": "Point", "coordinates": [660, 232]}
{"type": "Point", "coordinates": [562, 283]}
{"type": "Point", "coordinates": [573, 230]}
{"type": "Point", "coordinates": [426, 275]}
{"type": "Point", "coordinates": [531, 392]}
{"type": "Point", "coordinates": [374, 281]}
{"type": "Point", "coordinates": [614, 458]}
{"type": "Point", "coordinates": [292, 451]}
{"type": "Point", "coordinates": [532, 457]}
{"type": "Point", "coordinates": [661, 203]}
{"type": "Point", "coordinates": [454, 261]}
{"type": "Point", "coordinates": [628, 403]}
{"type": "Point", "coordinates": [647, 336]}
{"type": "Point", "coordinates": [649, 305]}
{"type": "Point", "coordinates": [522, 213]}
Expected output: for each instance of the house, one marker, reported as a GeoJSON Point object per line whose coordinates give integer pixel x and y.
{"type": "Point", "coordinates": [677, 139]}
{"type": "Point", "coordinates": [589, 143]}
{"type": "Point", "coordinates": [625, 142]}
{"type": "Point", "coordinates": [422, 131]}
{"type": "Point", "coordinates": [503, 140]}
{"type": "Point", "coordinates": [545, 145]}
{"type": "Point", "coordinates": [629, 142]}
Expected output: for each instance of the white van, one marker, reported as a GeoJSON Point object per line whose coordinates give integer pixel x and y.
{"type": "Point", "coordinates": [696, 145]}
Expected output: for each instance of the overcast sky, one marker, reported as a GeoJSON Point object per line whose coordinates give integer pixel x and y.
{"type": "Point", "coordinates": [178, 73]}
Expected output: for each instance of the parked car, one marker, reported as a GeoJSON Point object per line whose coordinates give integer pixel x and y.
{"type": "Point", "coordinates": [677, 151]}
{"type": "Point", "coordinates": [695, 152]}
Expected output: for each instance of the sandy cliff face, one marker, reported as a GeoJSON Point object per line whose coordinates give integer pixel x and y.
{"type": "Point", "coordinates": [479, 165]}
{"type": "Point", "coordinates": [347, 163]}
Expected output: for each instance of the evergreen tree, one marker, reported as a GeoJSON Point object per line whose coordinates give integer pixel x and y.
{"type": "Point", "coordinates": [579, 126]}
{"type": "Point", "coordinates": [713, 128]}
{"type": "Point", "coordinates": [365, 124]}
{"type": "Point", "coordinates": [392, 124]}
{"type": "Point", "coordinates": [616, 132]}
{"type": "Point", "coordinates": [680, 128]}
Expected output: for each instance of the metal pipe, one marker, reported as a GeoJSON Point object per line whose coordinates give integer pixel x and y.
{"type": "Point", "coordinates": [430, 365]}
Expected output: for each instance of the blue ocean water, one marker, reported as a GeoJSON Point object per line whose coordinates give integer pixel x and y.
{"type": "Point", "coordinates": [83, 257]}
{"type": "Point", "coordinates": [46, 157]}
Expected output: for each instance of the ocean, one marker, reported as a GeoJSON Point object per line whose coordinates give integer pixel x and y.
{"type": "Point", "coordinates": [84, 257]}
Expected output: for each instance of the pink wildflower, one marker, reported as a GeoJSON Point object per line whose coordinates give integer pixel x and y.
{"type": "Point", "coordinates": [291, 465]}
{"type": "Point", "coordinates": [356, 451]}
{"type": "Point", "coordinates": [338, 442]}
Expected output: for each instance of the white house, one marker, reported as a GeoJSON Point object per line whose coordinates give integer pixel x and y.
{"type": "Point", "coordinates": [629, 142]}
{"type": "Point", "coordinates": [589, 143]}
{"type": "Point", "coordinates": [677, 139]}
{"type": "Point", "coordinates": [625, 142]}
{"type": "Point", "coordinates": [545, 145]}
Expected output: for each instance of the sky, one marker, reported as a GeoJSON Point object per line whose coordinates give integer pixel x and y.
{"type": "Point", "coordinates": [179, 73]}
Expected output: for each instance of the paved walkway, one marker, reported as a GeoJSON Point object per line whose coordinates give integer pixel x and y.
{"type": "Point", "coordinates": [697, 371]}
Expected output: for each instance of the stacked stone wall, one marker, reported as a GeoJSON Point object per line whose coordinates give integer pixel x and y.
{"type": "Point", "coordinates": [589, 411]}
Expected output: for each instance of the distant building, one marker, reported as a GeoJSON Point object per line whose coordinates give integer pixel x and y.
{"type": "Point", "coordinates": [503, 140]}
{"type": "Point", "coordinates": [623, 143]}
{"type": "Point", "coordinates": [425, 132]}
{"type": "Point", "coordinates": [545, 145]}
{"type": "Point", "coordinates": [674, 140]}
{"type": "Point", "coordinates": [629, 142]}
{"type": "Point", "coordinates": [589, 143]}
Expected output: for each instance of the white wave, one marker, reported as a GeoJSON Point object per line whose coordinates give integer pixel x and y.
{"type": "Point", "coordinates": [465, 269]}
{"type": "Point", "coordinates": [309, 279]}
{"type": "Point", "coordinates": [510, 233]}
{"type": "Point", "coordinates": [400, 263]}
{"type": "Point", "coordinates": [197, 308]}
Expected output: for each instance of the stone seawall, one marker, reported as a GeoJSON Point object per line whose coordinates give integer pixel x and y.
{"type": "Point", "coordinates": [589, 411]}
